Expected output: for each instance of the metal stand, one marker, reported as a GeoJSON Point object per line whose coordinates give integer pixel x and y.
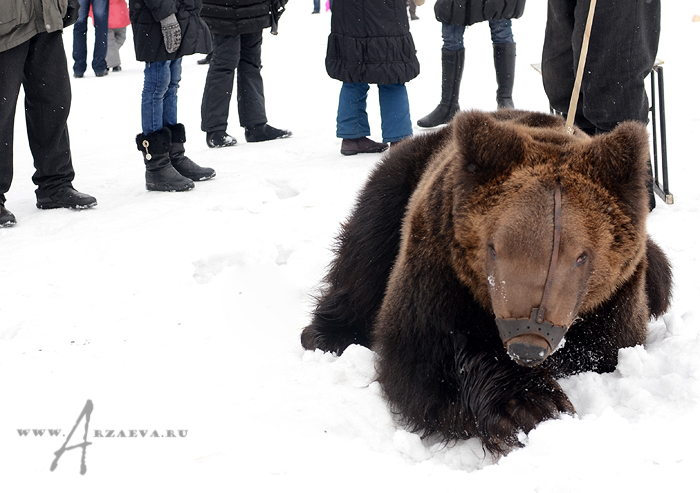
{"type": "Point", "coordinates": [658, 126]}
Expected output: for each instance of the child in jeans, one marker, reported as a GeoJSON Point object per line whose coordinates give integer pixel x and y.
{"type": "Point", "coordinates": [370, 43]}
{"type": "Point", "coordinates": [164, 32]}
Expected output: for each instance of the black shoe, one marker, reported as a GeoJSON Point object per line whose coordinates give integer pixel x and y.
{"type": "Point", "coordinates": [361, 145]}
{"type": "Point", "coordinates": [167, 180]}
{"type": "Point", "coordinates": [205, 61]}
{"type": "Point", "coordinates": [78, 76]}
{"type": "Point", "coordinates": [7, 219]}
{"type": "Point", "coordinates": [220, 139]}
{"type": "Point", "coordinates": [67, 198]}
{"type": "Point", "coordinates": [103, 73]}
{"type": "Point", "coordinates": [118, 68]}
{"type": "Point", "coordinates": [263, 132]}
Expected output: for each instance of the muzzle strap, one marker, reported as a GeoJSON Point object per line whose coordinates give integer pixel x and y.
{"type": "Point", "coordinates": [555, 253]}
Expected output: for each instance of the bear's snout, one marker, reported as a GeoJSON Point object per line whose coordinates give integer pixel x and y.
{"type": "Point", "coordinates": [528, 341]}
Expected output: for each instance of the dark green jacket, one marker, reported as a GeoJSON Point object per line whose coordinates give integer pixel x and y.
{"type": "Point", "coordinates": [20, 20]}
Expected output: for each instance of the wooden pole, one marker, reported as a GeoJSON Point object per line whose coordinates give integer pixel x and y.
{"type": "Point", "coordinates": [579, 72]}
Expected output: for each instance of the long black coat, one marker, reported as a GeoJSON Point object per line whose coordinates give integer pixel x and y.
{"type": "Point", "coordinates": [145, 16]}
{"type": "Point", "coordinates": [464, 13]}
{"type": "Point", "coordinates": [234, 17]}
{"type": "Point", "coordinates": [370, 42]}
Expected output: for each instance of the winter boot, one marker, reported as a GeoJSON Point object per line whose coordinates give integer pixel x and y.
{"type": "Point", "coordinates": [160, 174]}
{"type": "Point", "coordinates": [504, 62]}
{"type": "Point", "coordinates": [452, 68]}
{"type": "Point", "coordinates": [182, 164]}
{"type": "Point", "coordinates": [263, 132]}
{"type": "Point", "coordinates": [361, 145]}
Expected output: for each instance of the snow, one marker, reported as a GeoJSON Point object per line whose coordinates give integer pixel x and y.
{"type": "Point", "coordinates": [183, 311]}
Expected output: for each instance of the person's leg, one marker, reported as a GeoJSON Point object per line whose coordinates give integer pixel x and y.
{"type": "Point", "coordinates": [558, 65]}
{"type": "Point", "coordinates": [352, 121]}
{"type": "Point", "coordinates": [100, 12]}
{"type": "Point", "coordinates": [115, 39]}
{"type": "Point", "coordinates": [12, 64]}
{"type": "Point", "coordinates": [170, 97]}
{"type": "Point", "coordinates": [156, 79]}
{"type": "Point", "coordinates": [504, 61]}
{"type": "Point", "coordinates": [251, 93]}
{"type": "Point", "coordinates": [47, 104]}
{"type": "Point", "coordinates": [218, 87]}
{"type": "Point", "coordinates": [80, 39]}
{"type": "Point", "coordinates": [623, 45]}
{"type": "Point", "coordinates": [452, 69]}
{"type": "Point", "coordinates": [396, 116]}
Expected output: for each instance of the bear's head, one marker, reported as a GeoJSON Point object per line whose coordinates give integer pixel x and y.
{"type": "Point", "coordinates": [547, 225]}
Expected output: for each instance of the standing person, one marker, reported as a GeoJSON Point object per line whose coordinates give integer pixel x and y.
{"type": "Point", "coordinates": [237, 32]}
{"type": "Point", "coordinates": [370, 43]}
{"type": "Point", "coordinates": [455, 16]}
{"type": "Point", "coordinates": [165, 31]}
{"type": "Point", "coordinates": [100, 10]}
{"type": "Point", "coordinates": [621, 53]}
{"type": "Point", "coordinates": [116, 35]}
{"type": "Point", "coordinates": [32, 56]}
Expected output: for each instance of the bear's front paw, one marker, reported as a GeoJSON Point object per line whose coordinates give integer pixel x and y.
{"type": "Point", "coordinates": [330, 341]}
{"type": "Point", "coordinates": [523, 413]}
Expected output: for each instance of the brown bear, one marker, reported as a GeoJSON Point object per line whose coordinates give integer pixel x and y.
{"type": "Point", "coordinates": [485, 260]}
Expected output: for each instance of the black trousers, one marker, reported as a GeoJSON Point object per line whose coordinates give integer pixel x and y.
{"type": "Point", "coordinates": [39, 65]}
{"type": "Point", "coordinates": [623, 45]}
{"type": "Point", "coordinates": [230, 53]}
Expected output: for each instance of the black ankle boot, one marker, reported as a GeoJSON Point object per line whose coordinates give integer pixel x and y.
{"type": "Point", "coordinates": [263, 132]}
{"type": "Point", "coordinates": [160, 174]}
{"type": "Point", "coordinates": [452, 68]}
{"type": "Point", "coordinates": [182, 164]}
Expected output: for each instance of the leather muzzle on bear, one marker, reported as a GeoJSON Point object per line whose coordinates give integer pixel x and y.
{"type": "Point", "coordinates": [528, 341]}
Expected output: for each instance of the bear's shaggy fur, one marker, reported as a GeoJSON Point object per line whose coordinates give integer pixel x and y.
{"type": "Point", "coordinates": [453, 232]}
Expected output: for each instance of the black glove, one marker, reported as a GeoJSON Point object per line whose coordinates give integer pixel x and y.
{"type": "Point", "coordinates": [71, 13]}
{"type": "Point", "coordinates": [172, 36]}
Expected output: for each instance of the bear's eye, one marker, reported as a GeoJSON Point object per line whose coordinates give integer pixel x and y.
{"type": "Point", "coordinates": [492, 251]}
{"type": "Point", "coordinates": [581, 260]}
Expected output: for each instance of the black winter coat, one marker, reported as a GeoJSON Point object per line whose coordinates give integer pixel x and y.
{"type": "Point", "coordinates": [466, 13]}
{"type": "Point", "coordinates": [370, 42]}
{"type": "Point", "coordinates": [234, 17]}
{"type": "Point", "coordinates": [145, 16]}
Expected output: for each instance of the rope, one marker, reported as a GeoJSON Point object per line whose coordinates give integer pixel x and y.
{"type": "Point", "coordinates": [579, 72]}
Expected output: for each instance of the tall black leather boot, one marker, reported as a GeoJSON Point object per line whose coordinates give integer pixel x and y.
{"type": "Point", "coordinates": [182, 164]}
{"type": "Point", "coordinates": [160, 174]}
{"type": "Point", "coordinates": [504, 62]}
{"type": "Point", "coordinates": [452, 68]}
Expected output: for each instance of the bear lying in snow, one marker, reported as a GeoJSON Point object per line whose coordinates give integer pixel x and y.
{"type": "Point", "coordinates": [485, 260]}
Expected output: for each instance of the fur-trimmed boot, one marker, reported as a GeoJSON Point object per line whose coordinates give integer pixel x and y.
{"type": "Point", "coordinates": [504, 62]}
{"type": "Point", "coordinates": [452, 68]}
{"type": "Point", "coordinates": [160, 174]}
{"type": "Point", "coordinates": [184, 165]}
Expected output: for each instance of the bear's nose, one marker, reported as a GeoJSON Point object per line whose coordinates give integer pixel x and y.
{"type": "Point", "coordinates": [528, 350]}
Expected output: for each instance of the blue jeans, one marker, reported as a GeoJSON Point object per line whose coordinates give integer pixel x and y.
{"type": "Point", "coordinates": [100, 12]}
{"type": "Point", "coordinates": [352, 122]}
{"type": "Point", "coordinates": [159, 96]}
{"type": "Point", "coordinates": [317, 5]}
{"type": "Point", "coordinates": [453, 35]}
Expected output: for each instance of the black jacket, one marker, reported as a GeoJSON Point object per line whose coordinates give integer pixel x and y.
{"type": "Point", "coordinates": [145, 16]}
{"type": "Point", "coordinates": [234, 17]}
{"type": "Point", "coordinates": [466, 13]}
{"type": "Point", "coordinates": [370, 42]}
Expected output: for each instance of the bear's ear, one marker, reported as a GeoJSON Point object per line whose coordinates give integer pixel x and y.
{"type": "Point", "coordinates": [619, 161]}
{"type": "Point", "coordinates": [485, 146]}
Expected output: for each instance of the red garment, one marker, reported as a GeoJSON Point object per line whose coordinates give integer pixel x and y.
{"type": "Point", "coordinates": [118, 14]}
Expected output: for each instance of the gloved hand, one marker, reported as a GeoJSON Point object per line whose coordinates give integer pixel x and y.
{"type": "Point", "coordinates": [72, 12]}
{"type": "Point", "coordinates": [171, 33]}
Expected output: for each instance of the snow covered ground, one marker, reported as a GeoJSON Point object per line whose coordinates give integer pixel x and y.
{"type": "Point", "coordinates": [180, 314]}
